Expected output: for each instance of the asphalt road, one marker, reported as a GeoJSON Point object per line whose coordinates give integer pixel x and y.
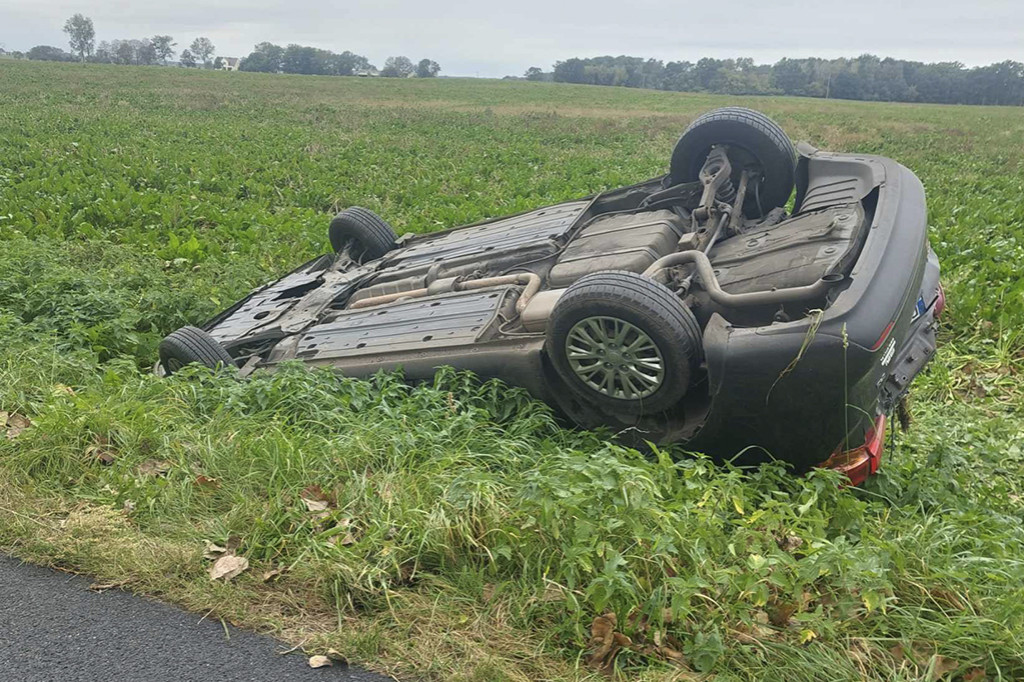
{"type": "Point", "coordinates": [52, 627]}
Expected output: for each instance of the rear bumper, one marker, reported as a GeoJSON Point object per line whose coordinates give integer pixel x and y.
{"type": "Point", "coordinates": [796, 391]}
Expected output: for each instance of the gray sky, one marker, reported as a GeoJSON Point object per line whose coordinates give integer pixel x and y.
{"type": "Point", "coordinates": [479, 38]}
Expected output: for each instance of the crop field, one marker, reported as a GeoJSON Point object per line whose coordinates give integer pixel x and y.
{"type": "Point", "coordinates": [455, 531]}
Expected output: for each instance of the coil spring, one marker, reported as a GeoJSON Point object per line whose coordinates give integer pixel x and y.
{"type": "Point", "coordinates": [727, 192]}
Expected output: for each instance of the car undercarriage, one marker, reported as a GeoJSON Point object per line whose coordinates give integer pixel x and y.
{"type": "Point", "coordinates": [697, 307]}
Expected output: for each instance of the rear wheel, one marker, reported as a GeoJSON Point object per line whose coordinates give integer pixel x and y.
{"type": "Point", "coordinates": [364, 234]}
{"type": "Point", "coordinates": [192, 345]}
{"type": "Point", "coordinates": [755, 142]}
{"type": "Point", "coordinates": [624, 342]}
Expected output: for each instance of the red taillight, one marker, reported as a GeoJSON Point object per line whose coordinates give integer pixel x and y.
{"type": "Point", "coordinates": [940, 302]}
{"type": "Point", "coordinates": [861, 462]}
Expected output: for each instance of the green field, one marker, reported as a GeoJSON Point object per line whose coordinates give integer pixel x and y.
{"type": "Point", "coordinates": [466, 535]}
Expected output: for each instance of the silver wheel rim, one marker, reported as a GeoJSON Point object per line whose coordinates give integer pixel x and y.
{"type": "Point", "coordinates": [615, 357]}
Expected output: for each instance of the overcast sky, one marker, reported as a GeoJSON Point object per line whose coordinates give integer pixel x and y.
{"type": "Point", "coordinates": [471, 38]}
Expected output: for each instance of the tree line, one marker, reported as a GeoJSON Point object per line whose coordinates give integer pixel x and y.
{"type": "Point", "coordinates": [271, 58]}
{"type": "Point", "coordinates": [266, 57]}
{"type": "Point", "coordinates": [863, 78]}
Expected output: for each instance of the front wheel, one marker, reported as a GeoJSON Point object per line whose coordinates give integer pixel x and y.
{"type": "Point", "coordinates": [624, 342]}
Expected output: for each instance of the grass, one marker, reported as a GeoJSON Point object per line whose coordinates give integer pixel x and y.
{"type": "Point", "coordinates": [466, 536]}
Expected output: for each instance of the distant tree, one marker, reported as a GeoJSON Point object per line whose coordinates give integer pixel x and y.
{"type": "Point", "coordinates": [427, 68]}
{"type": "Point", "coordinates": [124, 52]}
{"type": "Point", "coordinates": [202, 49]}
{"type": "Point", "coordinates": [534, 73]}
{"type": "Point", "coordinates": [48, 53]}
{"type": "Point", "coordinates": [164, 47]}
{"type": "Point", "coordinates": [397, 67]}
{"type": "Point", "coordinates": [348, 63]}
{"type": "Point", "coordinates": [570, 71]}
{"type": "Point", "coordinates": [265, 58]}
{"type": "Point", "coordinates": [103, 54]}
{"type": "Point", "coordinates": [218, 63]}
{"type": "Point", "coordinates": [81, 35]}
{"type": "Point", "coordinates": [145, 52]}
{"type": "Point", "coordinates": [306, 60]}
{"type": "Point", "coordinates": [188, 60]}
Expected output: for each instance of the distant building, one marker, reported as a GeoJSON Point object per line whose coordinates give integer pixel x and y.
{"type": "Point", "coordinates": [366, 73]}
{"type": "Point", "coordinates": [229, 63]}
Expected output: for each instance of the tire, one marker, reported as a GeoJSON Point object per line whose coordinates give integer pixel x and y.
{"type": "Point", "coordinates": [192, 345]}
{"type": "Point", "coordinates": [371, 234]}
{"type": "Point", "coordinates": [751, 136]}
{"type": "Point", "coordinates": [607, 299]}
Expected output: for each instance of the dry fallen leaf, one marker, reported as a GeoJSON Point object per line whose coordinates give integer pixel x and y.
{"type": "Point", "coordinates": [207, 482]}
{"type": "Point", "coordinates": [779, 614]}
{"type": "Point", "coordinates": [227, 567]}
{"type": "Point", "coordinates": [975, 675]}
{"type": "Point", "coordinates": [488, 592]}
{"type": "Point", "coordinates": [15, 424]}
{"type": "Point", "coordinates": [319, 662]}
{"type": "Point", "coordinates": [272, 574]}
{"type": "Point", "coordinates": [315, 499]}
{"type": "Point", "coordinates": [942, 666]}
{"type": "Point", "coordinates": [790, 543]}
{"type": "Point", "coordinates": [214, 551]}
{"type": "Point", "coordinates": [605, 643]}
{"type": "Point", "coordinates": [336, 655]}
{"type": "Point", "coordinates": [315, 505]}
{"type": "Point", "coordinates": [154, 467]}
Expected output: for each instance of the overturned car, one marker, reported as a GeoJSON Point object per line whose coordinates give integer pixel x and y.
{"type": "Point", "coordinates": [693, 307]}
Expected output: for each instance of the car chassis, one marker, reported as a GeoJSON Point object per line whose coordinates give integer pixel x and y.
{"type": "Point", "coordinates": [688, 308]}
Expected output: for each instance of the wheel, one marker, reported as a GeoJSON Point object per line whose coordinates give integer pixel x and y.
{"type": "Point", "coordinates": [364, 233]}
{"type": "Point", "coordinates": [624, 342]}
{"type": "Point", "coordinates": [754, 140]}
{"type": "Point", "coordinates": [188, 345]}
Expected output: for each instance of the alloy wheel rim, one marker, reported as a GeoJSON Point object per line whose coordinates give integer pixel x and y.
{"type": "Point", "coordinates": [615, 357]}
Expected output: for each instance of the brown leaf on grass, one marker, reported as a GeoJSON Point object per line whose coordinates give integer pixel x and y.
{"type": "Point", "coordinates": [942, 666]}
{"type": "Point", "coordinates": [320, 662]}
{"type": "Point", "coordinates": [315, 499]}
{"type": "Point", "coordinates": [336, 655]}
{"type": "Point", "coordinates": [605, 643]}
{"type": "Point", "coordinates": [946, 598]}
{"type": "Point", "coordinates": [672, 656]}
{"type": "Point", "coordinates": [273, 574]}
{"type": "Point", "coordinates": [207, 482]}
{"type": "Point", "coordinates": [779, 614]}
{"type": "Point", "coordinates": [15, 423]}
{"type": "Point", "coordinates": [790, 543]}
{"type": "Point", "coordinates": [488, 592]}
{"type": "Point", "coordinates": [154, 467]}
{"type": "Point", "coordinates": [975, 675]}
{"type": "Point", "coordinates": [214, 551]}
{"type": "Point", "coordinates": [102, 454]}
{"type": "Point", "coordinates": [227, 567]}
